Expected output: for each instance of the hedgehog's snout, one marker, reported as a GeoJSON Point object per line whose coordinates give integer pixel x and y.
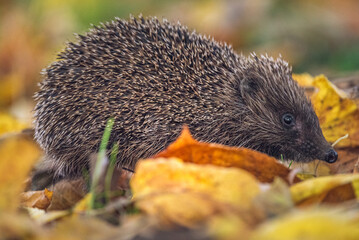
{"type": "Point", "coordinates": [328, 154]}
{"type": "Point", "coordinates": [331, 156]}
{"type": "Point", "coordinates": [315, 150]}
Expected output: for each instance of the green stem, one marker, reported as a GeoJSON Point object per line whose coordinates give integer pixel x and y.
{"type": "Point", "coordinates": [110, 171]}
{"type": "Point", "coordinates": [101, 161]}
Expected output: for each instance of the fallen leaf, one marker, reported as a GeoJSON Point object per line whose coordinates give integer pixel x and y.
{"type": "Point", "coordinates": [229, 227]}
{"type": "Point", "coordinates": [18, 226]}
{"type": "Point", "coordinates": [340, 194]}
{"type": "Point", "coordinates": [67, 193]}
{"type": "Point", "coordinates": [338, 114]}
{"type": "Point", "coordinates": [356, 166]}
{"type": "Point", "coordinates": [186, 193]}
{"type": "Point", "coordinates": [36, 199]}
{"type": "Point", "coordinates": [304, 79]}
{"type": "Point", "coordinates": [42, 217]}
{"type": "Point", "coordinates": [311, 224]}
{"type": "Point", "coordinates": [18, 154]}
{"type": "Point", "coordinates": [10, 88]}
{"type": "Point", "coordinates": [316, 189]}
{"type": "Point", "coordinates": [276, 199]}
{"type": "Point", "coordinates": [9, 124]}
{"type": "Point", "coordinates": [262, 166]}
{"type": "Point", "coordinates": [78, 227]}
{"type": "Point", "coordinates": [347, 159]}
{"type": "Point", "coordinates": [83, 204]}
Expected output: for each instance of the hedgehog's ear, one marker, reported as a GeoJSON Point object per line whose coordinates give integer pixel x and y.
{"type": "Point", "coordinates": [248, 88]}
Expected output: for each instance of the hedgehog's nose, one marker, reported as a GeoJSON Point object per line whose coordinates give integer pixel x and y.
{"type": "Point", "coordinates": [331, 156]}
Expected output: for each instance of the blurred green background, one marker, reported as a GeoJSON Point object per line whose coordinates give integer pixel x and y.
{"type": "Point", "coordinates": [315, 36]}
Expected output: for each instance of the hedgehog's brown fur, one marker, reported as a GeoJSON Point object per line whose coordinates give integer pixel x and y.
{"type": "Point", "coordinates": [153, 77]}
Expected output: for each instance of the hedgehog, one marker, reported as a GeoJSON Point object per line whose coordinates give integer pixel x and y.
{"type": "Point", "coordinates": [153, 77]}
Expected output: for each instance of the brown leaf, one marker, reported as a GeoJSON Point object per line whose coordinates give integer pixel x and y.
{"type": "Point", "coordinates": [340, 194]}
{"type": "Point", "coordinates": [67, 193]}
{"type": "Point", "coordinates": [348, 157]}
{"type": "Point", "coordinates": [36, 199]}
{"type": "Point", "coordinates": [262, 166]}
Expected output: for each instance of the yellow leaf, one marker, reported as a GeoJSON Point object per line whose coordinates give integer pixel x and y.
{"type": "Point", "coordinates": [311, 224]}
{"type": "Point", "coordinates": [83, 204]}
{"type": "Point", "coordinates": [10, 87]}
{"type": "Point", "coordinates": [304, 80]}
{"type": "Point", "coordinates": [17, 157]}
{"type": "Point", "coordinates": [316, 186]}
{"type": "Point", "coordinates": [10, 124]}
{"type": "Point", "coordinates": [355, 185]}
{"type": "Point", "coordinates": [187, 193]}
{"type": "Point", "coordinates": [229, 227]}
{"type": "Point", "coordinates": [338, 115]}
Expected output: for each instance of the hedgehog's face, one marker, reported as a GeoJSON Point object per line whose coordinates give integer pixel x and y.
{"type": "Point", "coordinates": [280, 119]}
{"type": "Point", "coordinates": [304, 140]}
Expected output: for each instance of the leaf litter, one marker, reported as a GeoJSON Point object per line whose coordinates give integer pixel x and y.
{"type": "Point", "coordinates": [211, 190]}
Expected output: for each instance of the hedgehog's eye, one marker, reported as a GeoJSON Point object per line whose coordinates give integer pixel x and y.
{"type": "Point", "coordinates": [288, 120]}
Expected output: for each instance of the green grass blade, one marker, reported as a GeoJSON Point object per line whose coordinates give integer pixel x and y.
{"type": "Point", "coordinates": [101, 161]}
{"type": "Point", "coordinates": [111, 168]}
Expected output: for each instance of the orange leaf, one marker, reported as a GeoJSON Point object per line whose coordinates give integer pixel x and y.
{"type": "Point", "coordinates": [262, 166]}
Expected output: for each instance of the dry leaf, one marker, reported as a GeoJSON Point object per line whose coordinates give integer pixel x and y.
{"type": "Point", "coordinates": [316, 189]}
{"type": "Point", "coordinates": [18, 226]}
{"type": "Point", "coordinates": [262, 166]}
{"type": "Point", "coordinates": [338, 115]}
{"type": "Point", "coordinates": [83, 204]}
{"type": "Point", "coordinates": [36, 199]}
{"type": "Point", "coordinates": [304, 79]}
{"type": "Point", "coordinates": [43, 217]}
{"type": "Point", "coordinates": [77, 227]}
{"type": "Point", "coordinates": [67, 193]}
{"type": "Point", "coordinates": [348, 157]}
{"type": "Point", "coordinates": [276, 199]}
{"type": "Point", "coordinates": [10, 87]}
{"type": "Point", "coordinates": [17, 156]}
{"type": "Point", "coordinates": [9, 124]}
{"type": "Point", "coordinates": [229, 227]}
{"type": "Point", "coordinates": [312, 224]}
{"type": "Point", "coordinates": [187, 193]}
